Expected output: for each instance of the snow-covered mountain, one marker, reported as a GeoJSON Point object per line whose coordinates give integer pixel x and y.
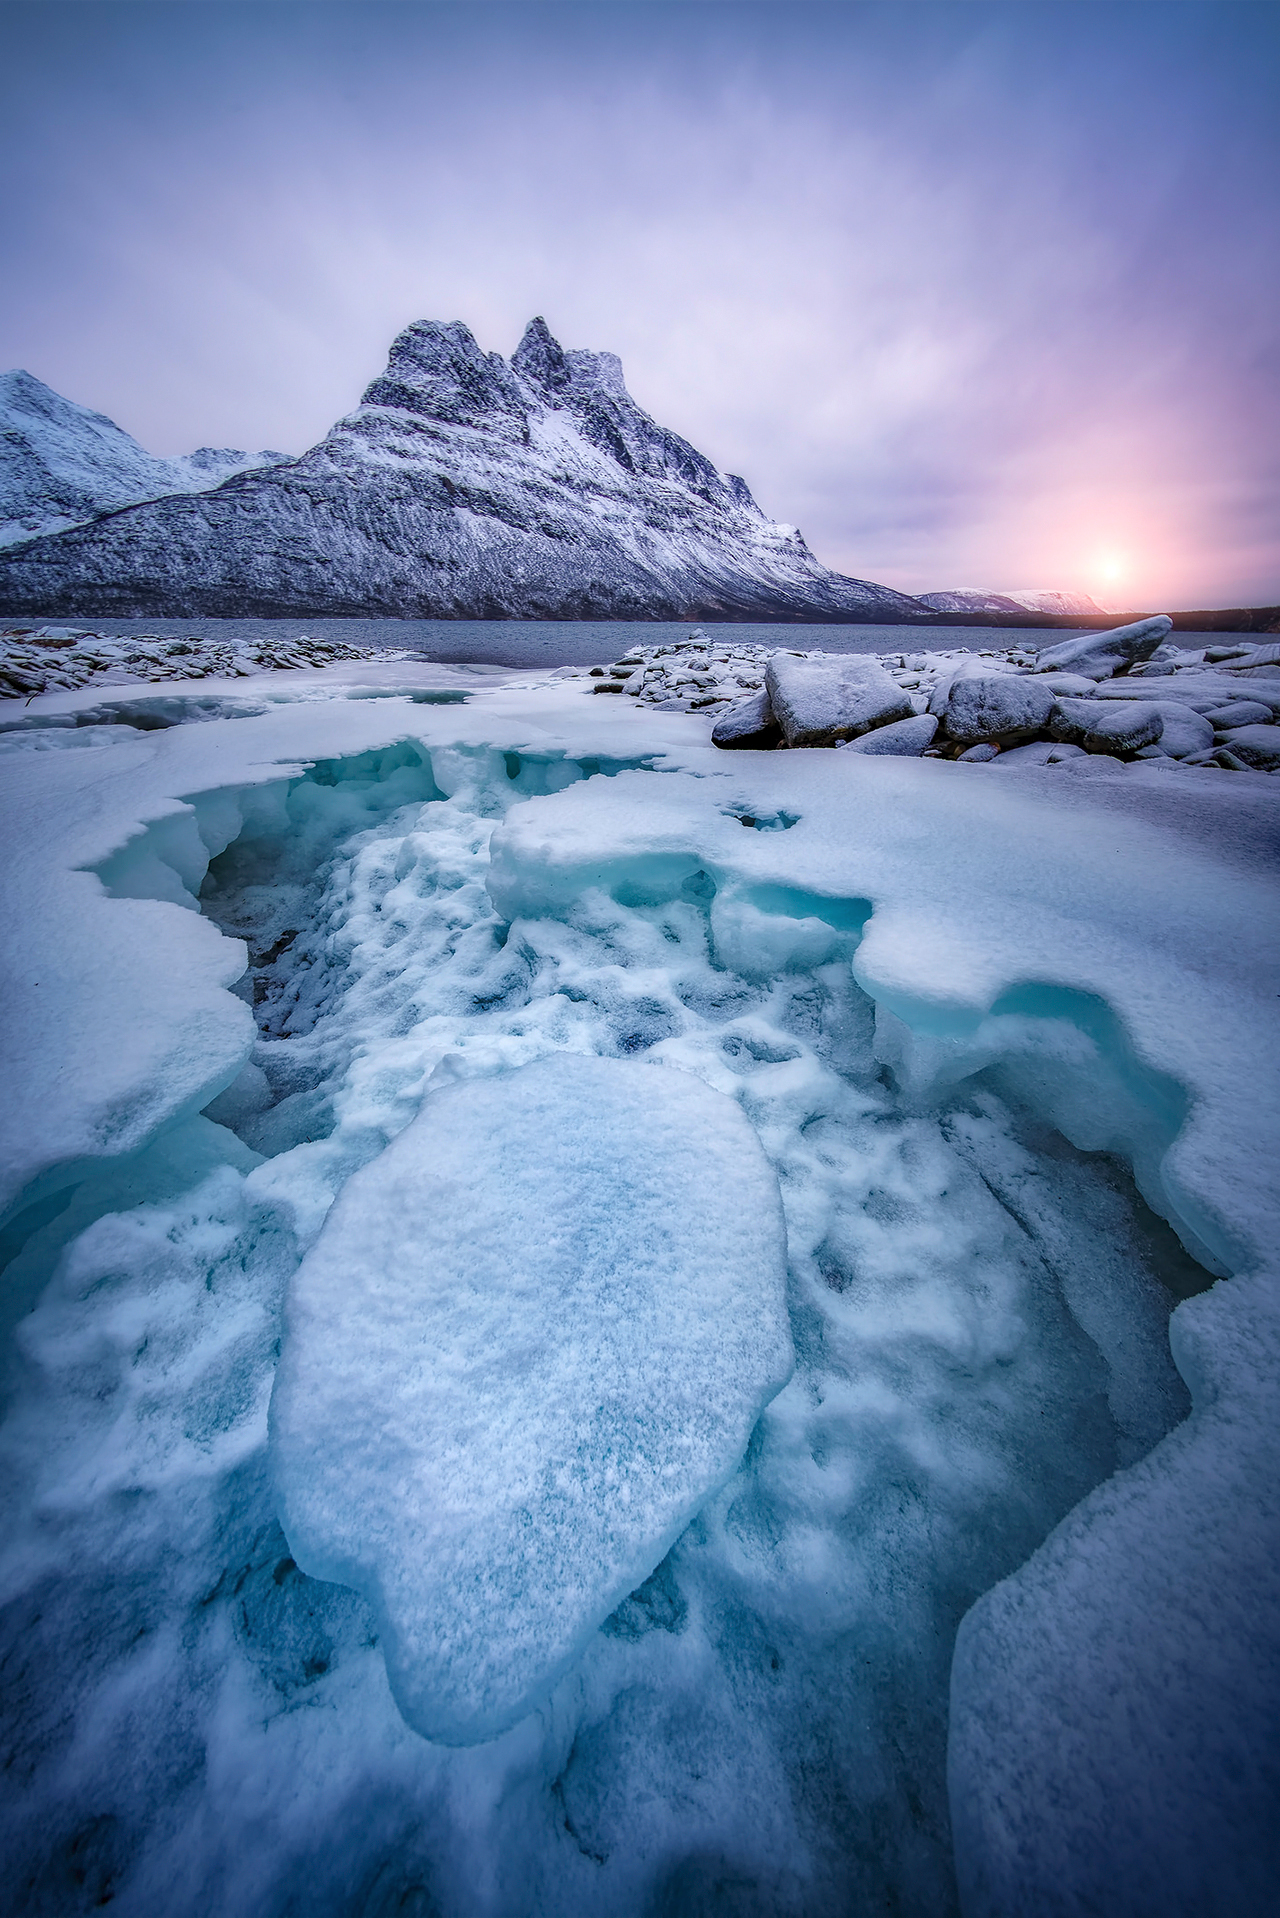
{"type": "Point", "coordinates": [61, 465]}
{"type": "Point", "coordinates": [462, 486]}
{"type": "Point", "coordinates": [1024, 600]}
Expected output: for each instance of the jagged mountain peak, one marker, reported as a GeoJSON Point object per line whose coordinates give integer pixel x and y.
{"type": "Point", "coordinates": [22, 393]}
{"type": "Point", "coordinates": [541, 359]}
{"type": "Point", "coordinates": [462, 486]}
{"type": "Point", "coordinates": [436, 369]}
{"type": "Point", "coordinates": [565, 373]}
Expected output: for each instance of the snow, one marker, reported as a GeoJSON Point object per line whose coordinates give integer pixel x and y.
{"type": "Point", "coordinates": [531, 1341]}
{"type": "Point", "coordinates": [924, 998]}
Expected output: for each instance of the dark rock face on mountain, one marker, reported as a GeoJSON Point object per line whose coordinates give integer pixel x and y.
{"type": "Point", "coordinates": [461, 487]}
{"type": "Point", "coordinates": [60, 464]}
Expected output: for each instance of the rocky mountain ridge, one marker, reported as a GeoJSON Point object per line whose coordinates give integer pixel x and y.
{"type": "Point", "coordinates": [1020, 600]}
{"type": "Point", "coordinates": [462, 486]}
{"type": "Point", "coordinates": [62, 465]}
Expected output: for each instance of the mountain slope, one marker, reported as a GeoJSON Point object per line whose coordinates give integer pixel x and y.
{"type": "Point", "coordinates": [60, 464]}
{"type": "Point", "coordinates": [461, 487]}
{"type": "Point", "coordinates": [1027, 600]}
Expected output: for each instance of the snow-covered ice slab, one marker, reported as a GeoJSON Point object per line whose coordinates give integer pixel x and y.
{"type": "Point", "coordinates": [531, 1340]}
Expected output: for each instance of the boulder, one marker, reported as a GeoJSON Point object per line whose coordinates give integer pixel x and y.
{"type": "Point", "coordinates": [979, 755]}
{"type": "Point", "coordinates": [1069, 685]}
{"type": "Point", "coordinates": [1037, 753]}
{"type": "Point", "coordinates": [824, 700]}
{"type": "Point", "coordinates": [1257, 746]}
{"type": "Point", "coordinates": [1182, 731]}
{"type": "Point", "coordinates": [903, 739]}
{"type": "Point", "coordinates": [750, 725]}
{"type": "Point", "coordinates": [1241, 712]}
{"type": "Point", "coordinates": [1113, 726]}
{"type": "Point", "coordinates": [1098, 655]}
{"type": "Point", "coordinates": [1002, 706]}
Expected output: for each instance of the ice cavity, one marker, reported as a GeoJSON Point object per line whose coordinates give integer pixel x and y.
{"type": "Point", "coordinates": [979, 1317]}
{"type": "Point", "coordinates": [531, 1340]}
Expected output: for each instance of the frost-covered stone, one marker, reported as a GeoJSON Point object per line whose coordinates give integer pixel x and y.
{"type": "Point", "coordinates": [1099, 655]}
{"type": "Point", "coordinates": [1257, 745]}
{"type": "Point", "coordinates": [1037, 752]}
{"type": "Point", "coordinates": [1241, 712]}
{"type": "Point", "coordinates": [1117, 726]}
{"type": "Point", "coordinates": [999, 706]}
{"type": "Point", "coordinates": [824, 700]}
{"type": "Point", "coordinates": [531, 1340]}
{"type": "Point", "coordinates": [1182, 731]}
{"type": "Point", "coordinates": [1069, 685]}
{"type": "Point", "coordinates": [901, 739]}
{"type": "Point", "coordinates": [978, 755]}
{"type": "Point", "coordinates": [748, 725]}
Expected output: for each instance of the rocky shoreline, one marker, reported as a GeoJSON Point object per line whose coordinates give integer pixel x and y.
{"type": "Point", "coordinates": [1103, 699]}
{"type": "Point", "coordinates": [65, 658]}
{"type": "Point", "coordinates": [1093, 701]}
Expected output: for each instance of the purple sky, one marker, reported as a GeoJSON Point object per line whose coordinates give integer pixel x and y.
{"type": "Point", "coordinates": [975, 295]}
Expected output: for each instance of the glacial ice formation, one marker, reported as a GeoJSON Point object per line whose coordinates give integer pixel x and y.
{"type": "Point", "coordinates": [530, 1342]}
{"type": "Point", "coordinates": [949, 1006]}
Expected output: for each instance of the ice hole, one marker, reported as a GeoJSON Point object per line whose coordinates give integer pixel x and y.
{"type": "Point", "coordinates": [978, 1308]}
{"type": "Point", "coordinates": [767, 822]}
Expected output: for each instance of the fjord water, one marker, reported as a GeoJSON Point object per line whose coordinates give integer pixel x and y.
{"type": "Point", "coordinates": [559, 642]}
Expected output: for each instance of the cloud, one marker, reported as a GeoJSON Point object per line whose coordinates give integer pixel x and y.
{"type": "Point", "coordinates": [975, 295]}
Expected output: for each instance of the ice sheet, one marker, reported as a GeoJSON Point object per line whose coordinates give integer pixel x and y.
{"type": "Point", "coordinates": [900, 972]}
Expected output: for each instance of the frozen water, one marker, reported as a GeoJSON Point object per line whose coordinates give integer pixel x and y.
{"type": "Point", "coordinates": [530, 1342]}
{"type": "Point", "coordinates": [910, 991]}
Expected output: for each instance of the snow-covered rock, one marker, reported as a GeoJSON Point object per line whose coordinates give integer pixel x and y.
{"type": "Point", "coordinates": [1099, 655]}
{"type": "Point", "coordinates": [1256, 745]}
{"type": "Point", "coordinates": [1119, 726]}
{"type": "Point", "coordinates": [823, 699]}
{"type": "Point", "coordinates": [1241, 712]}
{"type": "Point", "coordinates": [1182, 730]}
{"type": "Point", "coordinates": [462, 486]}
{"type": "Point", "coordinates": [1070, 685]}
{"type": "Point", "coordinates": [992, 706]}
{"type": "Point", "coordinates": [61, 464]}
{"type": "Point", "coordinates": [901, 738]}
{"type": "Point", "coordinates": [750, 724]}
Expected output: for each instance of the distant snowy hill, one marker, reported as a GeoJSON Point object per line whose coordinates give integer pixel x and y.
{"type": "Point", "coordinates": [462, 486]}
{"type": "Point", "coordinates": [1026, 600]}
{"type": "Point", "coordinates": [60, 464]}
